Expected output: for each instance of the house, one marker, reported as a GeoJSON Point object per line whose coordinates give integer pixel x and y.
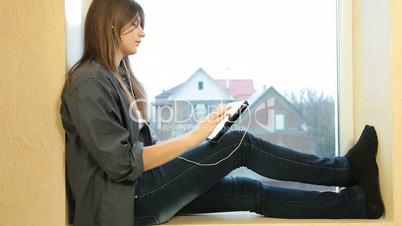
{"type": "Point", "coordinates": [273, 117]}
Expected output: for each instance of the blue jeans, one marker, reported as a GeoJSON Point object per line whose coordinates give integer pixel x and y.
{"type": "Point", "coordinates": [179, 187]}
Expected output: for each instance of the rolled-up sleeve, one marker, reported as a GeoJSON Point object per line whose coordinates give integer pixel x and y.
{"type": "Point", "coordinates": [99, 126]}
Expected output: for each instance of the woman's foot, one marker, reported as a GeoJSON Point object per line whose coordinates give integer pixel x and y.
{"type": "Point", "coordinates": [362, 153]}
{"type": "Point", "coordinates": [369, 183]}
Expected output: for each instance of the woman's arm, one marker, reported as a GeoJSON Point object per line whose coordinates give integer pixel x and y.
{"type": "Point", "coordinates": [162, 152]}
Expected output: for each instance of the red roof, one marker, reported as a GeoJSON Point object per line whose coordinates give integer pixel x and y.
{"type": "Point", "coordinates": [240, 89]}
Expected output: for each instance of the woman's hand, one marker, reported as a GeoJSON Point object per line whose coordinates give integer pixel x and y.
{"type": "Point", "coordinates": [208, 124]}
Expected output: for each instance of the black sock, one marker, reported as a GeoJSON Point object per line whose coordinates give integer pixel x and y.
{"type": "Point", "coordinates": [369, 183]}
{"type": "Point", "coordinates": [362, 153]}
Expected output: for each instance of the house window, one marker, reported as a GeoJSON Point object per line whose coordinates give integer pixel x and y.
{"type": "Point", "coordinates": [279, 122]}
{"type": "Point", "coordinates": [200, 85]}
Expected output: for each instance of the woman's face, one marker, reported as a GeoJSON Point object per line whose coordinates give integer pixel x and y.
{"type": "Point", "coordinates": [131, 38]}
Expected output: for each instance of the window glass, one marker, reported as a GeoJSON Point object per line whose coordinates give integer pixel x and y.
{"type": "Point", "coordinates": [280, 55]}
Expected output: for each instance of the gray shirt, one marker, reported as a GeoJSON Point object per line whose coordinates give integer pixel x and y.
{"type": "Point", "coordinates": [103, 149]}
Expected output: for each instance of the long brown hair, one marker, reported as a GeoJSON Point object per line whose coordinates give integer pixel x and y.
{"type": "Point", "coordinates": [103, 25]}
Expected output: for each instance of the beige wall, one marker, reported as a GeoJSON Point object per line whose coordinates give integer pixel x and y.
{"type": "Point", "coordinates": [32, 64]}
{"type": "Point", "coordinates": [396, 88]}
{"type": "Point", "coordinates": [372, 82]}
{"type": "Point", "coordinates": [31, 143]}
{"type": "Point", "coordinates": [377, 41]}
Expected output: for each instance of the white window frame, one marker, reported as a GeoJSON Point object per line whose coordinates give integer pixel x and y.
{"type": "Point", "coordinates": [344, 103]}
{"type": "Point", "coordinates": [74, 30]}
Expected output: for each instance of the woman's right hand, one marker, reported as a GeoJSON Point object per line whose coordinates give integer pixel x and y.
{"type": "Point", "coordinates": [208, 124]}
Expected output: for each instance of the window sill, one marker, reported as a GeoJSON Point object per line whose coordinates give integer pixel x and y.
{"type": "Point", "coordinates": [236, 218]}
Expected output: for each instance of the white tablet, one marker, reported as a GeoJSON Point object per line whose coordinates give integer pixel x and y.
{"type": "Point", "coordinates": [236, 109]}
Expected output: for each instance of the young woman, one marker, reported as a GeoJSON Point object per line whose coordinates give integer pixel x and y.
{"type": "Point", "coordinates": [119, 175]}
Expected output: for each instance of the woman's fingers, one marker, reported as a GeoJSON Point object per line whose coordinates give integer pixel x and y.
{"type": "Point", "coordinates": [218, 113]}
{"type": "Point", "coordinates": [222, 116]}
{"type": "Point", "coordinates": [209, 123]}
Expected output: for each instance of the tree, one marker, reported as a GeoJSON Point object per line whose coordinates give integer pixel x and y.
{"type": "Point", "coordinates": [318, 112]}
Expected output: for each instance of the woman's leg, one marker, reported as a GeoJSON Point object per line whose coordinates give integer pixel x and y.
{"type": "Point", "coordinates": [246, 194]}
{"type": "Point", "coordinates": [163, 191]}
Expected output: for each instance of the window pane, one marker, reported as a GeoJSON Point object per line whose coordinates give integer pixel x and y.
{"type": "Point", "coordinates": [279, 122]}
{"type": "Point", "coordinates": [280, 55]}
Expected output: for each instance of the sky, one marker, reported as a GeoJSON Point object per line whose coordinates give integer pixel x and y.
{"type": "Point", "coordinates": [287, 44]}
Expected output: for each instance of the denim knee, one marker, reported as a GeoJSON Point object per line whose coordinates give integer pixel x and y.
{"type": "Point", "coordinates": [237, 135]}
